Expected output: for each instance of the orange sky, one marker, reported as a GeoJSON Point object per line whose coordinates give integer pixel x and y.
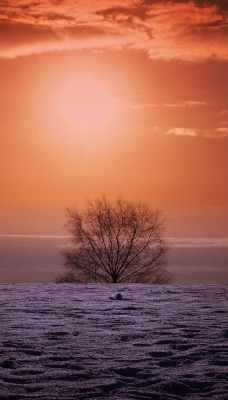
{"type": "Point", "coordinates": [114, 97]}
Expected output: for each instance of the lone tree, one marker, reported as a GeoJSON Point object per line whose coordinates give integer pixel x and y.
{"type": "Point", "coordinates": [115, 242]}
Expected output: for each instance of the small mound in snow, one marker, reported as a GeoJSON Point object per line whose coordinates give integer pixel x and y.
{"type": "Point", "coordinates": [118, 296]}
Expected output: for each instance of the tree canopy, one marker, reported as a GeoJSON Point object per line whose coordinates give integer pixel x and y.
{"type": "Point", "coordinates": [115, 242]}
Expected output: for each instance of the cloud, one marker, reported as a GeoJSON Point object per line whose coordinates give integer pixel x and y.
{"type": "Point", "coordinates": [219, 133]}
{"type": "Point", "coordinates": [182, 132]}
{"type": "Point", "coordinates": [34, 236]}
{"type": "Point", "coordinates": [198, 242]}
{"type": "Point", "coordinates": [140, 106]}
{"type": "Point", "coordinates": [223, 112]}
{"type": "Point", "coordinates": [184, 104]}
{"type": "Point", "coordinates": [223, 130]}
{"type": "Point", "coordinates": [167, 29]}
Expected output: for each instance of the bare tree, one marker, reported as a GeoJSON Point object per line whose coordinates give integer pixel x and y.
{"type": "Point", "coordinates": [115, 242]}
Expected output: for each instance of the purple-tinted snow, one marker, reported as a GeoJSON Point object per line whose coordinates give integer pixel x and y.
{"type": "Point", "coordinates": [70, 341]}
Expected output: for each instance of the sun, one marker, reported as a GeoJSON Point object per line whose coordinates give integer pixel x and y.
{"type": "Point", "coordinates": [86, 102]}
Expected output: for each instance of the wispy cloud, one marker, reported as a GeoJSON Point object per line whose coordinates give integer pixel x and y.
{"type": "Point", "coordinates": [198, 242]}
{"type": "Point", "coordinates": [168, 29]}
{"type": "Point", "coordinates": [183, 104]}
{"type": "Point", "coordinates": [219, 133]}
{"type": "Point", "coordinates": [34, 236]}
{"type": "Point", "coordinates": [223, 130]}
{"type": "Point", "coordinates": [182, 132]}
{"type": "Point", "coordinates": [173, 241]}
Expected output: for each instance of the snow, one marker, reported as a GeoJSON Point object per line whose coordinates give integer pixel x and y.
{"type": "Point", "coordinates": [73, 341]}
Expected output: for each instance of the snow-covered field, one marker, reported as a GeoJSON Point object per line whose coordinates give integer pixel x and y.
{"type": "Point", "coordinates": [66, 341]}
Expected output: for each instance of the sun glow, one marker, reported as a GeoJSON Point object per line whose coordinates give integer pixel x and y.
{"type": "Point", "coordinates": [87, 103]}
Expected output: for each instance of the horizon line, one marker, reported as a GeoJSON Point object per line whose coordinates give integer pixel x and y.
{"type": "Point", "coordinates": [34, 236]}
{"type": "Point", "coordinates": [178, 241]}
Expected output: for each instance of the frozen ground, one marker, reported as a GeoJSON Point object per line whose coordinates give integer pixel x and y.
{"type": "Point", "coordinates": [79, 342]}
